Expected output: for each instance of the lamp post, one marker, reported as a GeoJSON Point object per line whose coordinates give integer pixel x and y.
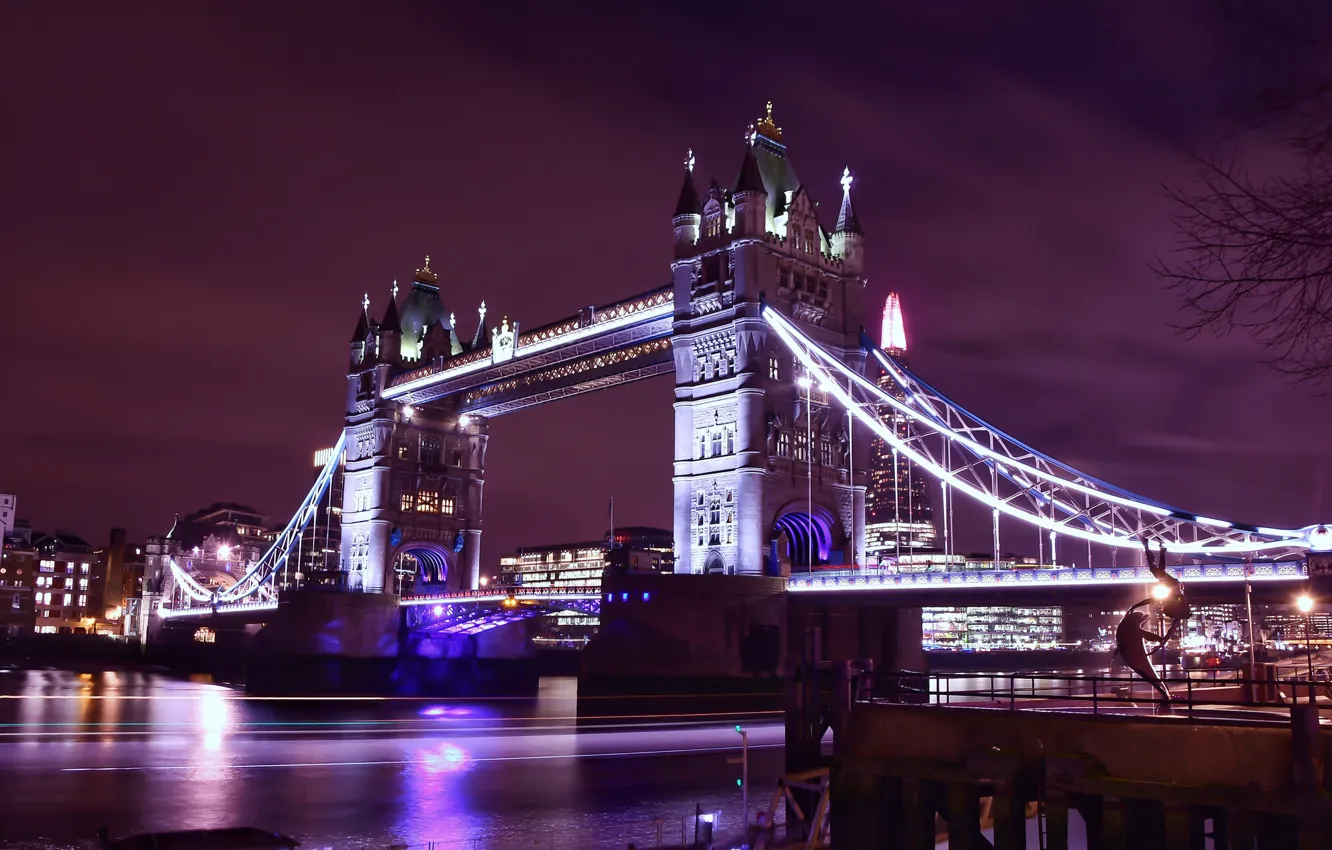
{"type": "Point", "coordinates": [1305, 604]}
{"type": "Point", "coordinates": [806, 382]}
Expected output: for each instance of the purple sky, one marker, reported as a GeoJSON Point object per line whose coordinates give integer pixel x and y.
{"type": "Point", "coordinates": [194, 197]}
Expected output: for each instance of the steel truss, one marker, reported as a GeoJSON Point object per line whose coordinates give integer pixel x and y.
{"type": "Point", "coordinates": [640, 319]}
{"type": "Point", "coordinates": [965, 453]}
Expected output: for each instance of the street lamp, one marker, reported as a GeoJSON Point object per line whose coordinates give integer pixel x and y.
{"type": "Point", "coordinates": [805, 381]}
{"type": "Point", "coordinates": [1305, 604]}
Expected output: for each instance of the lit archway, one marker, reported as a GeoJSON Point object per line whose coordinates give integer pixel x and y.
{"type": "Point", "coordinates": [809, 537]}
{"type": "Point", "coordinates": [422, 565]}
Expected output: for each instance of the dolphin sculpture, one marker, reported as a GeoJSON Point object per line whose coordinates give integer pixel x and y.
{"type": "Point", "coordinates": [1132, 634]}
{"type": "Point", "coordinates": [1131, 644]}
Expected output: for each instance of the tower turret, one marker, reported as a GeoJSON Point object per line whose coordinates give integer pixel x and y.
{"type": "Point", "coordinates": [688, 210]}
{"type": "Point", "coordinates": [847, 240]}
{"type": "Point", "coordinates": [361, 333]}
{"type": "Point", "coordinates": [749, 196]}
{"type": "Point", "coordinates": [390, 330]}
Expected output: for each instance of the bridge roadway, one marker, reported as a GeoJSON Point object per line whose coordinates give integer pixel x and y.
{"type": "Point", "coordinates": [1206, 584]}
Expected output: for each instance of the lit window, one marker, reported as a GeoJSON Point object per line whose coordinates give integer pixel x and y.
{"type": "Point", "coordinates": [446, 505]}
{"type": "Point", "coordinates": [69, 598]}
{"type": "Point", "coordinates": [83, 600]}
{"type": "Point", "coordinates": [427, 502]}
{"type": "Point", "coordinates": [83, 568]}
{"type": "Point", "coordinates": [407, 501]}
{"type": "Point", "coordinates": [46, 566]}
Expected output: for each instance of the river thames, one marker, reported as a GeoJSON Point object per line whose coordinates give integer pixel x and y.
{"type": "Point", "coordinates": [137, 752]}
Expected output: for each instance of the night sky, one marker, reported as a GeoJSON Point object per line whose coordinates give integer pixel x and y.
{"type": "Point", "coordinates": [195, 196]}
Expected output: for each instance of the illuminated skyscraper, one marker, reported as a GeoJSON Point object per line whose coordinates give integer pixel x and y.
{"type": "Point", "coordinates": [899, 518]}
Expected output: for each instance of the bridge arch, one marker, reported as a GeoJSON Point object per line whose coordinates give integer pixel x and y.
{"type": "Point", "coordinates": [805, 532]}
{"type": "Point", "coordinates": [429, 563]}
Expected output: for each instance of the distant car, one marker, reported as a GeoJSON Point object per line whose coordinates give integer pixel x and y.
{"type": "Point", "coordinates": [233, 838]}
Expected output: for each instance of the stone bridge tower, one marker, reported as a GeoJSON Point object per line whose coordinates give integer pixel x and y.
{"type": "Point", "coordinates": [768, 475]}
{"type": "Point", "coordinates": [411, 496]}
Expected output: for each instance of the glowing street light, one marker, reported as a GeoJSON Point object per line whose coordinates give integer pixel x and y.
{"type": "Point", "coordinates": [224, 552]}
{"type": "Point", "coordinates": [407, 411]}
{"type": "Point", "coordinates": [464, 421]}
{"type": "Point", "coordinates": [808, 384]}
{"type": "Point", "coordinates": [1305, 604]}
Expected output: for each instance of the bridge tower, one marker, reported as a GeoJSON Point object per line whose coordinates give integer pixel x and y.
{"type": "Point", "coordinates": [768, 475]}
{"type": "Point", "coordinates": [411, 505]}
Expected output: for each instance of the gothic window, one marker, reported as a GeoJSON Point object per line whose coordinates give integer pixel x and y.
{"type": "Point", "coordinates": [700, 500]}
{"type": "Point", "coordinates": [783, 444]}
{"type": "Point", "coordinates": [730, 441]}
{"type": "Point", "coordinates": [825, 453]}
{"type": "Point", "coordinates": [446, 505]}
{"type": "Point", "coordinates": [702, 452]}
{"type": "Point", "coordinates": [716, 510]}
{"type": "Point", "coordinates": [730, 527]}
{"type": "Point", "coordinates": [708, 361]}
{"type": "Point", "coordinates": [402, 451]}
{"type": "Point", "coordinates": [716, 443]}
{"type": "Point", "coordinates": [810, 244]}
{"type": "Point", "coordinates": [730, 496]}
{"type": "Point", "coordinates": [698, 370]}
{"type": "Point", "coordinates": [714, 536]}
{"type": "Point", "coordinates": [774, 368]}
{"type": "Point", "coordinates": [407, 501]}
{"type": "Point", "coordinates": [801, 447]}
{"type": "Point", "coordinates": [430, 451]}
{"type": "Point", "coordinates": [730, 361]}
{"type": "Point", "coordinates": [427, 502]}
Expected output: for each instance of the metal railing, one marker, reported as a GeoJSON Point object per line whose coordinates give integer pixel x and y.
{"type": "Point", "coordinates": [1200, 698]}
{"type": "Point", "coordinates": [685, 831]}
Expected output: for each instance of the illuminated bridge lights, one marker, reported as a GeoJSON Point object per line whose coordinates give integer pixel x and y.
{"type": "Point", "coordinates": [965, 453]}
{"type": "Point", "coordinates": [840, 581]}
{"type": "Point", "coordinates": [222, 608]}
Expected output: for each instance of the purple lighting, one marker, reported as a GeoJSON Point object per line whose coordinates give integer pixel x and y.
{"type": "Point", "coordinates": [438, 609]}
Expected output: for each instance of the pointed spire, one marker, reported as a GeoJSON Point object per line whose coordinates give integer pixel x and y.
{"type": "Point", "coordinates": [846, 219]}
{"type": "Point", "coordinates": [751, 179]}
{"type": "Point", "coordinates": [363, 321]}
{"type": "Point", "coordinates": [893, 333]}
{"type": "Point", "coordinates": [689, 202]}
{"type": "Point", "coordinates": [391, 323]}
{"type": "Point", "coordinates": [482, 337]}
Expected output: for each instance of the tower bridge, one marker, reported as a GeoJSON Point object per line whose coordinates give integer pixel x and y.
{"type": "Point", "coordinates": [778, 398]}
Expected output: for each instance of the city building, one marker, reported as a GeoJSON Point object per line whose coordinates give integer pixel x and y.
{"type": "Point", "coordinates": [900, 534]}
{"type": "Point", "coordinates": [18, 567]}
{"type": "Point", "coordinates": [633, 549]}
{"type": "Point", "coordinates": [899, 517]}
{"type": "Point", "coordinates": [8, 513]}
{"type": "Point", "coordinates": [68, 585]}
{"type": "Point", "coordinates": [124, 564]}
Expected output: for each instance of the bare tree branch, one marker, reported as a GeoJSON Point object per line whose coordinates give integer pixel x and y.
{"type": "Point", "coordinates": [1254, 255]}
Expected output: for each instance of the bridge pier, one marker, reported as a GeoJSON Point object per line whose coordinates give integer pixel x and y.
{"type": "Point", "coordinates": [728, 641]}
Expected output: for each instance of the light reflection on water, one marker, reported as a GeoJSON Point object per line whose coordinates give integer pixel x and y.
{"type": "Point", "coordinates": [139, 752]}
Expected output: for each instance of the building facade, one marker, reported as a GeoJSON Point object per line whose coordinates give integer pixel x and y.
{"type": "Point", "coordinates": [899, 515]}
{"type": "Point", "coordinates": [68, 585]}
{"type": "Point", "coordinates": [763, 463]}
{"type": "Point", "coordinates": [18, 571]}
